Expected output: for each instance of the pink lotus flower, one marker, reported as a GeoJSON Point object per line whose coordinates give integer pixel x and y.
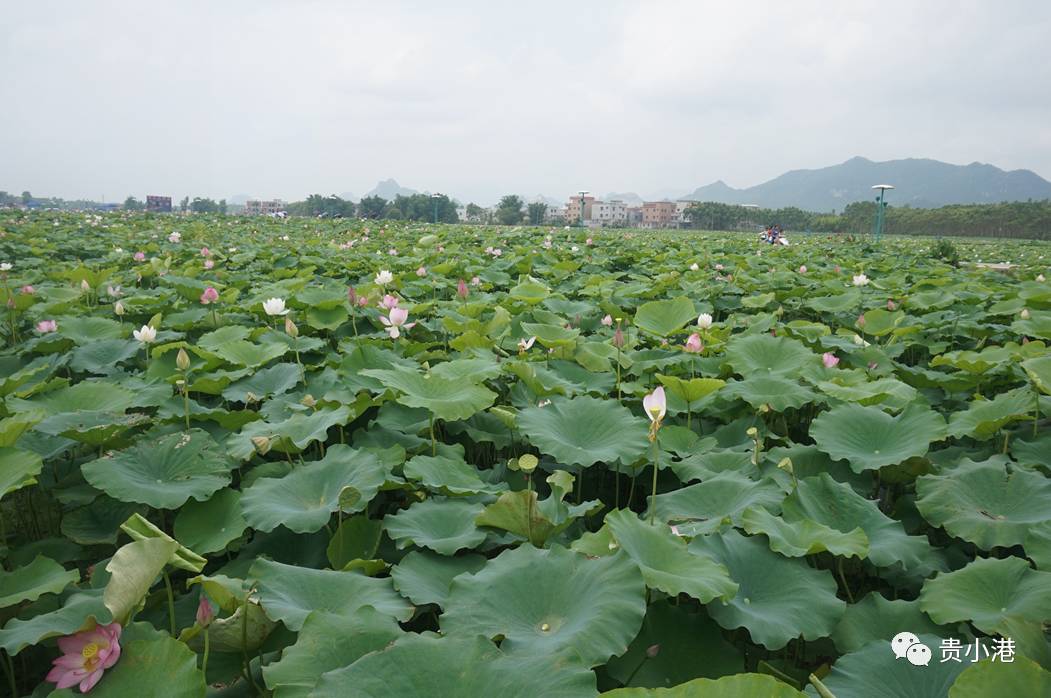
{"type": "Point", "coordinates": [526, 344]}
{"type": "Point", "coordinates": [829, 359]}
{"type": "Point", "coordinates": [719, 267]}
{"type": "Point", "coordinates": [693, 343]}
{"type": "Point", "coordinates": [209, 263]}
{"type": "Point", "coordinates": [28, 290]}
{"type": "Point", "coordinates": [802, 269]}
{"type": "Point", "coordinates": [607, 321]}
{"type": "Point", "coordinates": [861, 320]}
{"type": "Point", "coordinates": [210, 295]}
{"type": "Point", "coordinates": [397, 319]}
{"type": "Point", "coordinates": [389, 302]}
{"type": "Point", "coordinates": [205, 252]}
{"type": "Point", "coordinates": [873, 365]}
{"type": "Point", "coordinates": [656, 405]}
{"type": "Point", "coordinates": [618, 338]}
{"type": "Point", "coordinates": [890, 304]}
{"type": "Point", "coordinates": [422, 271]}
{"type": "Point", "coordinates": [205, 614]}
{"type": "Point", "coordinates": [85, 656]}
{"type": "Point", "coordinates": [363, 301]}
{"type": "Point", "coordinates": [46, 326]}
{"type": "Point", "coordinates": [392, 252]}
{"type": "Point", "coordinates": [139, 256]}
{"type": "Point", "coordinates": [589, 241]}
{"type": "Point", "coordinates": [461, 289]}
{"type": "Point", "coordinates": [838, 269]}
{"type": "Point", "coordinates": [475, 281]}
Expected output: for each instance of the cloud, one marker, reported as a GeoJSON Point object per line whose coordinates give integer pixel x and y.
{"type": "Point", "coordinates": [480, 99]}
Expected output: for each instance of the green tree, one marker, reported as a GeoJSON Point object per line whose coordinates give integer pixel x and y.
{"type": "Point", "coordinates": [199, 205]}
{"type": "Point", "coordinates": [222, 207]}
{"type": "Point", "coordinates": [509, 210]}
{"type": "Point", "coordinates": [184, 205]}
{"type": "Point", "coordinates": [26, 198]}
{"type": "Point", "coordinates": [537, 210]}
{"type": "Point", "coordinates": [133, 204]}
{"type": "Point", "coordinates": [475, 213]}
{"type": "Point", "coordinates": [372, 206]}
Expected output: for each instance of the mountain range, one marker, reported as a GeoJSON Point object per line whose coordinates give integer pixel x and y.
{"type": "Point", "coordinates": [920, 183]}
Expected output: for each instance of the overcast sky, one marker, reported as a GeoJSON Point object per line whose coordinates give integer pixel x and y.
{"type": "Point", "coordinates": [282, 99]}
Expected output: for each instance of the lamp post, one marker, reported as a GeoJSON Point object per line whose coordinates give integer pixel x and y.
{"type": "Point", "coordinates": [582, 193]}
{"type": "Point", "coordinates": [880, 205]}
{"type": "Point", "coordinates": [434, 197]}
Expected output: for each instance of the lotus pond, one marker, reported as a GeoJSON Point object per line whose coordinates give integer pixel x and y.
{"type": "Point", "coordinates": [329, 458]}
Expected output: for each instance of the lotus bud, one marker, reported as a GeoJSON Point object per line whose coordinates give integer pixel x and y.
{"type": "Point", "coordinates": [290, 328]}
{"type": "Point", "coordinates": [118, 308]}
{"type": "Point", "coordinates": [461, 289]}
{"type": "Point", "coordinates": [618, 337]}
{"type": "Point", "coordinates": [652, 651]}
{"type": "Point", "coordinates": [528, 463]}
{"type": "Point", "coordinates": [182, 360]}
{"type": "Point", "coordinates": [85, 286]}
{"type": "Point", "coordinates": [205, 614]}
{"type": "Point", "coordinates": [786, 465]}
{"type": "Point", "coordinates": [1024, 314]}
{"type": "Point", "coordinates": [262, 444]}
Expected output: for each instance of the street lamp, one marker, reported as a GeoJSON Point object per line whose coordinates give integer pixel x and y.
{"type": "Point", "coordinates": [880, 205]}
{"type": "Point", "coordinates": [582, 193]}
{"type": "Point", "coordinates": [434, 197]}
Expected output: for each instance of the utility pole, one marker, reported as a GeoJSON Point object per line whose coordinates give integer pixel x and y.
{"type": "Point", "coordinates": [435, 197]}
{"type": "Point", "coordinates": [582, 193]}
{"type": "Point", "coordinates": [877, 229]}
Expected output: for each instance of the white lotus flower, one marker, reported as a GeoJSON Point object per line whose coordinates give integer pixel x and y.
{"type": "Point", "coordinates": [146, 335]}
{"type": "Point", "coordinates": [705, 320]}
{"type": "Point", "coordinates": [5, 266]}
{"type": "Point", "coordinates": [275, 306]}
{"type": "Point", "coordinates": [384, 278]}
{"type": "Point", "coordinates": [861, 280]}
{"type": "Point", "coordinates": [175, 237]}
{"type": "Point", "coordinates": [694, 267]}
{"type": "Point", "coordinates": [1040, 278]}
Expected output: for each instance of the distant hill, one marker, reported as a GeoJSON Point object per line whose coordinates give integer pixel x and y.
{"type": "Point", "coordinates": [388, 189]}
{"type": "Point", "coordinates": [628, 197]}
{"type": "Point", "coordinates": [920, 183]}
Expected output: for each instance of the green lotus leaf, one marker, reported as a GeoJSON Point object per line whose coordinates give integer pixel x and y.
{"type": "Point", "coordinates": [546, 602]}
{"type": "Point", "coordinates": [139, 528]}
{"type": "Point", "coordinates": [290, 435]}
{"type": "Point", "coordinates": [278, 379]}
{"type": "Point", "coordinates": [88, 396]}
{"type": "Point", "coordinates": [887, 392]}
{"type": "Point", "coordinates": [838, 506]}
{"type": "Point", "coordinates": [778, 599]}
{"type": "Point", "coordinates": [736, 686]}
{"type": "Point", "coordinates": [1039, 371]}
{"type": "Point", "coordinates": [763, 355]}
{"type": "Point", "coordinates": [482, 669]}
{"type": "Point", "coordinates": [1034, 452]}
{"type": "Point", "coordinates": [133, 569]}
{"type": "Point", "coordinates": [305, 499]}
{"type": "Point", "coordinates": [18, 468]}
{"type": "Point", "coordinates": [875, 618]}
{"type": "Point", "coordinates": [103, 356]}
{"type": "Point", "coordinates": [99, 522]}
{"type": "Point", "coordinates": [551, 336]}
{"type": "Point", "coordinates": [520, 513]}
{"type": "Point", "coordinates": [585, 430]}
{"type": "Point", "coordinates": [42, 576]}
{"type": "Point", "coordinates": [665, 562]}
{"type": "Point", "coordinates": [210, 526]}
{"type": "Point", "coordinates": [425, 578]}
{"type": "Point", "coordinates": [233, 633]}
{"type": "Point", "coordinates": [87, 330]}
{"type": "Point", "coordinates": [985, 503]}
{"type": "Point", "coordinates": [443, 525]}
{"type": "Point", "coordinates": [356, 538]}
{"type": "Point", "coordinates": [163, 473]}
{"type": "Point", "coordinates": [79, 612]}
{"type": "Point", "coordinates": [1038, 546]}
{"type": "Point", "coordinates": [987, 592]}
{"type": "Point", "coordinates": [777, 392]}
{"type": "Point", "coordinates": [314, 652]}
{"type": "Point", "coordinates": [680, 636]}
{"type": "Point", "coordinates": [879, 322]}
{"type": "Point", "coordinates": [723, 497]}
{"type": "Point", "coordinates": [92, 428]}
{"type": "Point", "coordinates": [838, 303]}
{"type": "Point", "coordinates": [1021, 677]}
{"type": "Point", "coordinates": [690, 390]}
{"type": "Point", "coordinates": [868, 438]}
{"type": "Point", "coordinates": [449, 476]}
{"type": "Point", "coordinates": [665, 317]}
{"type": "Point", "coordinates": [530, 291]}
{"type": "Point", "coordinates": [152, 663]}
{"type": "Point", "coordinates": [289, 593]}
{"type": "Point", "coordinates": [803, 536]}
{"type": "Point", "coordinates": [447, 398]}
{"type": "Point", "coordinates": [704, 465]}
{"type": "Point", "coordinates": [984, 418]}
{"type": "Point", "coordinates": [474, 370]}
{"type": "Point", "coordinates": [243, 353]}
{"type": "Point", "coordinates": [873, 672]}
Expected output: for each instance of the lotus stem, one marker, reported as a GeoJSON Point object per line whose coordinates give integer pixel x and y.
{"type": "Point", "coordinates": [653, 494]}
{"type": "Point", "coordinates": [171, 601]}
{"type": "Point", "coordinates": [843, 579]}
{"type": "Point", "coordinates": [9, 669]}
{"type": "Point", "coordinates": [204, 659]}
{"type": "Point", "coordinates": [434, 446]}
{"type": "Point", "coordinates": [186, 400]}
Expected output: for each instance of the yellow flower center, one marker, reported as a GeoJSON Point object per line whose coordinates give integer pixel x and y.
{"type": "Point", "coordinates": [90, 650]}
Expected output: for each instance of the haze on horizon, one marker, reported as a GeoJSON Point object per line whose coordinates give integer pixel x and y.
{"type": "Point", "coordinates": [285, 99]}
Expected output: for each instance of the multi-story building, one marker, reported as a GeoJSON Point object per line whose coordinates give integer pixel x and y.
{"type": "Point", "coordinates": [159, 204]}
{"type": "Point", "coordinates": [658, 214]}
{"type": "Point", "coordinates": [681, 219]}
{"type": "Point", "coordinates": [257, 207]}
{"type": "Point", "coordinates": [634, 216]}
{"type": "Point", "coordinates": [573, 208]}
{"type": "Point", "coordinates": [609, 212]}
{"type": "Point", "coordinates": [556, 214]}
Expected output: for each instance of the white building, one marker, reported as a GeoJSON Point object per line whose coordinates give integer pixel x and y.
{"type": "Point", "coordinates": [257, 207]}
{"type": "Point", "coordinates": [609, 212]}
{"type": "Point", "coordinates": [680, 213]}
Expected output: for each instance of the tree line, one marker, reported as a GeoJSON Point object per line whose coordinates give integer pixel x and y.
{"type": "Point", "coordinates": [1015, 219]}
